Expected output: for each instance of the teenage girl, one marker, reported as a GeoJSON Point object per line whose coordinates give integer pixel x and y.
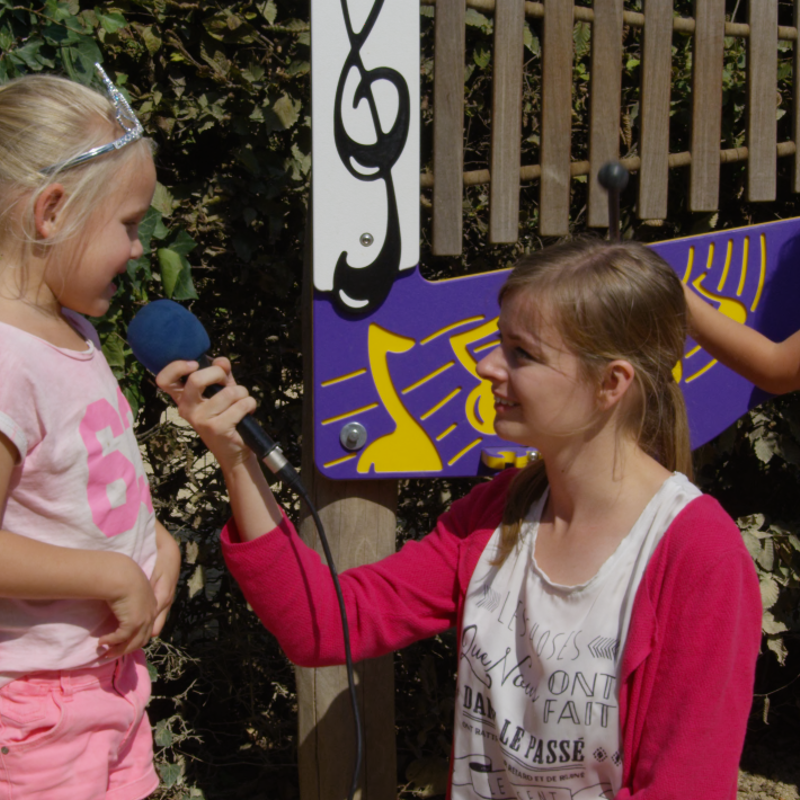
{"type": "Point", "coordinates": [87, 574]}
{"type": "Point", "coordinates": [772, 366]}
{"type": "Point", "coordinates": [608, 613]}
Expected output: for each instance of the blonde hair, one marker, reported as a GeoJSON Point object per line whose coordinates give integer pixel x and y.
{"type": "Point", "coordinates": [610, 301]}
{"type": "Point", "coordinates": [45, 120]}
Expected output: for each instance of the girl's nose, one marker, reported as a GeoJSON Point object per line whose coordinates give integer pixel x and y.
{"type": "Point", "coordinates": [137, 250]}
{"type": "Point", "coordinates": [490, 367]}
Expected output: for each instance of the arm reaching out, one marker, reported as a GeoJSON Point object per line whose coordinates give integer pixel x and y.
{"type": "Point", "coordinates": [772, 366]}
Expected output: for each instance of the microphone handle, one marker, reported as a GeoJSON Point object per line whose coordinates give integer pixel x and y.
{"type": "Point", "coordinates": [256, 438]}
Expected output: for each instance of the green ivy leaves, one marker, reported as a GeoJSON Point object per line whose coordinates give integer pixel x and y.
{"type": "Point", "coordinates": [176, 274]}
{"type": "Point", "coordinates": [775, 550]}
{"type": "Point", "coordinates": [34, 38]}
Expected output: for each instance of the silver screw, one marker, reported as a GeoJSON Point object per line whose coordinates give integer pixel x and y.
{"type": "Point", "coordinates": [353, 436]}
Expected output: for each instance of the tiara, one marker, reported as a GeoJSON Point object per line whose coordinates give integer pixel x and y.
{"type": "Point", "coordinates": [126, 120]}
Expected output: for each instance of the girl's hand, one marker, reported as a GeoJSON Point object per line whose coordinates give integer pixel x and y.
{"type": "Point", "coordinates": [214, 418]}
{"type": "Point", "coordinates": [135, 607]}
{"type": "Point", "coordinates": [165, 575]}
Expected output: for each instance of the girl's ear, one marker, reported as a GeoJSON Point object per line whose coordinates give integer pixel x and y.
{"type": "Point", "coordinates": [48, 209]}
{"type": "Point", "coordinates": [617, 379]}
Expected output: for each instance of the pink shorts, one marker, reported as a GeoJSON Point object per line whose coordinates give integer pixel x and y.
{"type": "Point", "coordinates": [78, 734]}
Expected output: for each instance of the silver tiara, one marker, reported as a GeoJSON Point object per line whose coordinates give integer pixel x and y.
{"type": "Point", "coordinates": [126, 120]}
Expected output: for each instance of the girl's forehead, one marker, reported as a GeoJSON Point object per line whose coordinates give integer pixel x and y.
{"type": "Point", "coordinates": [533, 321]}
{"type": "Point", "coordinates": [527, 314]}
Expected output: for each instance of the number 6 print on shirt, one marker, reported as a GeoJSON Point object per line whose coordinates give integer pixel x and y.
{"type": "Point", "coordinates": [114, 490]}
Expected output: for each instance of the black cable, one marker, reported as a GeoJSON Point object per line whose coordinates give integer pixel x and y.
{"type": "Point", "coordinates": [346, 633]}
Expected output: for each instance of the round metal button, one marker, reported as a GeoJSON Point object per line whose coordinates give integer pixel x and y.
{"type": "Point", "coordinates": [353, 436]}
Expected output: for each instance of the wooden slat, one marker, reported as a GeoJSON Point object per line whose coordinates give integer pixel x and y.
{"type": "Point", "coordinates": [655, 93]}
{"type": "Point", "coordinates": [709, 42]}
{"type": "Point", "coordinates": [556, 118]}
{"type": "Point", "coordinates": [448, 127]}
{"type": "Point", "coordinates": [509, 21]}
{"type": "Point", "coordinates": [796, 102]}
{"type": "Point", "coordinates": [606, 91]}
{"type": "Point", "coordinates": [762, 87]}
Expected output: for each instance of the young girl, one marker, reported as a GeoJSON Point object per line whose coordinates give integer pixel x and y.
{"type": "Point", "coordinates": [772, 366]}
{"type": "Point", "coordinates": [608, 613]}
{"type": "Point", "coordinates": [87, 574]}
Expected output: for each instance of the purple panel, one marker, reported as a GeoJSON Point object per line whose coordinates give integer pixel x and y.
{"type": "Point", "coordinates": [750, 272]}
{"type": "Point", "coordinates": [416, 309]}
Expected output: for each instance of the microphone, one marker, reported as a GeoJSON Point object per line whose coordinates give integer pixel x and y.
{"type": "Point", "coordinates": [164, 331]}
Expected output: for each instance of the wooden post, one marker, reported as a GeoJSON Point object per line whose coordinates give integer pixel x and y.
{"type": "Point", "coordinates": [762, 81]}
{"type": "Point", "coordinates": [509, 46]}
{"type": "Point", "coordinates": [707, 63]}
{"type": "Point", "coordinates": [554, 190]}
{"type": "Point", "coordinates": [606, 99]}
{"type": "Point", "coordinates": [360, 522]}
{"type": "Point", "coordinates": [448, 128]}
{"type": "Point", "coordinates": [656, 83]}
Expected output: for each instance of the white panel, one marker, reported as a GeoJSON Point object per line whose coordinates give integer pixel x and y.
{"type": "Point", "coordinates": [344, 206]}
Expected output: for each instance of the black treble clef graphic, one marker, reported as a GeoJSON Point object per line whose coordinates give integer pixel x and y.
{"type": "Point", "coordinates": [363, 289]}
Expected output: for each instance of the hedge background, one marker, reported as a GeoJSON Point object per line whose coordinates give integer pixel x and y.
{"type": "Point", "coordinates": [223, 88]}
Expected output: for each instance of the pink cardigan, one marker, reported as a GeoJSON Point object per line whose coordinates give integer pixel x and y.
{"type": "Point", "coordinates": [688, 666]}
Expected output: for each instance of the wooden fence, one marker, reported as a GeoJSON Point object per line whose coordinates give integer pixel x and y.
{"type": "Point", "coordinates": [555, 170]}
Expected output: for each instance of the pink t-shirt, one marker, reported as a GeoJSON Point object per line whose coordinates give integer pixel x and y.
{"type": "Point", "coordinates": [79, 482]}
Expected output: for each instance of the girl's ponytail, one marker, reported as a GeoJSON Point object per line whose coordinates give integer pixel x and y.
{"type": "Point", "coordinates": [675, 443]}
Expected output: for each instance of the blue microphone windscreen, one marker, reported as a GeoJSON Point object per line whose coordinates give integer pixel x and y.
{"type": "Point", "coordinates": [163, 332]}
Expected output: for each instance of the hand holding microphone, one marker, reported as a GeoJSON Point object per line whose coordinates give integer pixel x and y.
{"type": "Point", "coordinates": [163, 333]}
{"type": "Point", "coordinates": [209, 399]}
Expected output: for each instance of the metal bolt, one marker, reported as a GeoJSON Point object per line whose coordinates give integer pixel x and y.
{"type": "Point", "coordinates": [353, 436]}
{"type": "Point", "coordinates": [366, 239]}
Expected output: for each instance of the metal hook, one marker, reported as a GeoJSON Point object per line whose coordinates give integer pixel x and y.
{"type": "Point", "coordinates": [613, 177]}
